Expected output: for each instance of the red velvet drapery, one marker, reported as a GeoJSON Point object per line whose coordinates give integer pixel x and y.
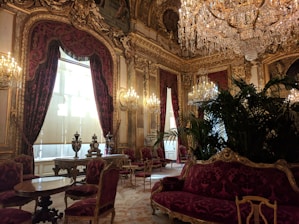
{"type": "Point", "coordinates": [38, 93]}
{"type": "Point", "coordinates": [220, 79]}
{"type": "Point", "coordinates": [168, 80]}
{"type": "Point", "coordinates": [43, 60]}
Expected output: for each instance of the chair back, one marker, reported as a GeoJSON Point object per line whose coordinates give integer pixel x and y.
{"type": "Point", "coordinates": [10, 175]}
{"type": "Point", "coordinates": [146, 153]}
{"type": "Point", "coordinates": [148, 166]}
{"type": "Point", "coordinates": [27, 162]}
{"type": "Point", "coordinates": [130, 153]}
{"type": "Point", "coordinates": [107, 190]}
{"type": "Point", "coordinates": [93, 170]}
{"type": "Point", "coordinates": [257, 209]}
{"type": "Point", "coordinates": [160, 153]}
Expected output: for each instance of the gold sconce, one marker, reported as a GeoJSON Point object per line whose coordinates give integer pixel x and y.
{"type": "Point", "coordinates": [128, 99]}
{"type": "Point", "coordinates": [9, 71]}
{"type": "Point", "coordinates": [153, 104]}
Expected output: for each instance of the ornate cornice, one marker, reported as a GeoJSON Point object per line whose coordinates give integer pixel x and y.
{"type": "Point", "coordinates": [154, 52]}
{"type": "Point", "coordinates": [82, 14]}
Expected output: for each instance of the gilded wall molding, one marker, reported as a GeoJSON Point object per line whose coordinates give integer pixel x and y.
{"type": "Point", "coordinates": [82, 14]}
{"type": "Point", "coordinates": [155, 53]}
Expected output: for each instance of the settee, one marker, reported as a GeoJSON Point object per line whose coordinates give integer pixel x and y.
{"type": "Point", "coordinates": [205, 192]}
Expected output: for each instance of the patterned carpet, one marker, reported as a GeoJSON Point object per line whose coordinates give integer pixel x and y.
{"type": "Point", "coordinates": [132, 204]}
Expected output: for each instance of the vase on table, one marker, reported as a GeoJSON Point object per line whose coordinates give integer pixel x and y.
{"type": "Point", "coordinates": [76, 144]}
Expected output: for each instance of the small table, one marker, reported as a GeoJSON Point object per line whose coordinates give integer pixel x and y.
{"type": "Point", "coordinates": [44, 187]}
{"type": "Point", "coordinates": [132, 169]}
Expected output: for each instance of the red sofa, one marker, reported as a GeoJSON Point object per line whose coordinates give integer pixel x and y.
{"type": "Point", "coordinates": [206, 192]}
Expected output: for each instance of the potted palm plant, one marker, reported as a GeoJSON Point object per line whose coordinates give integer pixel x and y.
{"type": "Point", "coordinates": [259, 126]}
{"type": "Point", "coordinates": [256, 124]}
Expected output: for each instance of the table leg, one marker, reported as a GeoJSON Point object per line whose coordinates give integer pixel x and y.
{"type": "Point", "coordinates": [131, 184]}
{"type": "Point", "coordinates": [56, 170]}
{"type": "Point", "coordinates": [45, 213]}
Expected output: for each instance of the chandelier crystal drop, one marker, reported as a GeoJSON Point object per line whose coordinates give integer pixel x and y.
{"type": "Point", "coordinates": [293, 97]}
{"type": "Point", "coordinates": [9, 71]}
{"type": "Point", "coordinates": [153, 104]}
{"type": "Point", "coordinates": [248, 27]}
{"type": "Point", "coordinates": [204, 91]}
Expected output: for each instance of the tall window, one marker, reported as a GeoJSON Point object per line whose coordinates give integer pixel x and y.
{"type": "Point", "coordinates": [170, 145]}
{"type": "Point", "coordinates": [72, 109]}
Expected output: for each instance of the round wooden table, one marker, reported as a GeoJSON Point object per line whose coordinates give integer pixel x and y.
{"type": "Point", "coordinates": [43, 188]}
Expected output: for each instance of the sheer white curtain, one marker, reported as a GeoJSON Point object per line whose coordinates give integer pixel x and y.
{"type": "Point", "coordinates": [170, 146]}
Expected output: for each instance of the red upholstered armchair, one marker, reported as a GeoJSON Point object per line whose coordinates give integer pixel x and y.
{"type": "Point", "coordinates": [146, 153]}
{"type": "Point", "coordinates": [102, 205]}
{"type": "Point", "coordinates": [10, 175]}
{"type": "Point", "coordinates": [163, 160]}
{"type": "Point", "coordinates": [89, 189]}
{"type": "Point", "coordinates": [27, 161]}
{"type": "Point", "coordinates": [131, 156]}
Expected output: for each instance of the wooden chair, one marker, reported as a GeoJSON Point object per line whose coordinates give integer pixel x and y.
{"type": "Point", "coordinates": [90, 188]}
{"type": "Point", "coordinates": [131, 156]}
{"type": "Point", "coordinates": [256, 209]}
{"type": "Point", "coordinates": [27, 161]}
{"type": "Point", "coordinates": [92, 209]}
{"type": "Point", "coordinates": [10, 175]}
{"type": "Point", "coordinates": [146, 153]}
{"type": "Point", "coordinates": [123, 173]}
{"type": "Point", "coordinates": [161, 155]}
{"type": "Point", "coordinates": [145, 174]}
{"type": "Point", "coordinates": [15, 216]}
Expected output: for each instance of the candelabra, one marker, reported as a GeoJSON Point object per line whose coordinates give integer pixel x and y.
{"type": "Point", "coordinates": [128, 99]}
{"type": "Point", "coordinates": [9, 71]}
{"type": "Point", "coordinates": [153, 104]}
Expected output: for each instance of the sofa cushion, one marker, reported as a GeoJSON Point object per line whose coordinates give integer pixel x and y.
{"type": "Point", "coordinates": [225, 180]}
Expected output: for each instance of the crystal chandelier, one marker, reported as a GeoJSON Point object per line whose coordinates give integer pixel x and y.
{"type": "Point", "coordinates": [129, 99]}
{"type": "Point", "coordinates": [9, 71]}
{"type": "Point", "coordinates": [153, 104]}
{"type": "Point", "coordinates": [293, 97]}
{"type": "Point", "coordinates": [205, 90]}
{"type": "Point", "coordinates": [248, 27]}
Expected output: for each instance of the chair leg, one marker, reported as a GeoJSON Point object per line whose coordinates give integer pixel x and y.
{"type": "Point", "coordinates": [112, 216]}
{"type": "Point", "coordinates": [65, 201]}
{"type": "Point", "coordinates": [36, 203]}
